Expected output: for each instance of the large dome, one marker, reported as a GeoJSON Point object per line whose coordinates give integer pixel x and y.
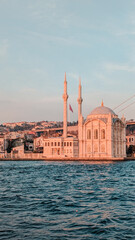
{"type": "Point", "coordinates": [102, 110]}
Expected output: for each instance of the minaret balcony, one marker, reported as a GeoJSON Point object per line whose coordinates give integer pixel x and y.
{"type": "Point", "coordinates": [79, 100]}
{"type": "Point", "coordinates": [65, 97]}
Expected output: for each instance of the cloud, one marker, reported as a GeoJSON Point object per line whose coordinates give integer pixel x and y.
{"type": "Point", "coordinates": [72, 75]}
{"type": "Point", "coordinates": [4, 48]}
{"type": "Point", "coordinates": [42, 5]}
{"type": "Point", "coordinates": [70, 40]}
{"type": "Point", "coordinates": [101, 76]}
{"type": "Point", "coordinates": [124, 33]}
{"type": "Point", "coordinates": [119, 67]}
{"type": "Point", "coordinates": [28, 90]}
{"type": "Point", "coordinates": [51, 99]}
{"type": "Point", "coordinates": [7, 101]}
{"type": "Point", "coordinates": [39, 72]}
{"type": "Point", "coordinates": [51, 12]}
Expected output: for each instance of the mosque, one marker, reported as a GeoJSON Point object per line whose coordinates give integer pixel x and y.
{"type": "Point", "coordinates": [101, 136]}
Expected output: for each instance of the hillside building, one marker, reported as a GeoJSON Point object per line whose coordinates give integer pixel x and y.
{"type": "Point", "coordinates": [130, 140]}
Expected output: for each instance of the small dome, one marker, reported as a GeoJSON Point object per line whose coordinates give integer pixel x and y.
{"type": "Point", "coordinates": [102, 110]}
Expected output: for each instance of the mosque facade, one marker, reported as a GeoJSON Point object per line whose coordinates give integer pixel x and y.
{"type": "Point", "coordinates": [101, 136]}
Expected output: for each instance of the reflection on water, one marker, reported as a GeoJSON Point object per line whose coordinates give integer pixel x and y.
{"type": "Point", "coordinates": [67, 200]}
{"type": "Point", "coordinates": [98, 162]}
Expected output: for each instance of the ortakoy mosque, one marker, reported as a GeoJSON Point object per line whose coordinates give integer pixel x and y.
{"type": "Point", "coordinates": [101, 136]}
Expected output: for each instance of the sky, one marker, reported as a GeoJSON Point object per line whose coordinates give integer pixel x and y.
{"type": "Point", "coordinates": [40, 40]}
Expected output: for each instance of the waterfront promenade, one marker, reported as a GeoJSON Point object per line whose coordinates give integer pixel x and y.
{"type": "Point", "coordinates": [68, 159]}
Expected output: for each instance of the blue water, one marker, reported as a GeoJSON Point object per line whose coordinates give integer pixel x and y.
{"type": "Point", "coordinates": [67, 200]}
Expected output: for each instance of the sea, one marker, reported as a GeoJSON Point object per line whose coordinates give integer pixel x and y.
{"type": "Point", "coordinates": [59, 200]}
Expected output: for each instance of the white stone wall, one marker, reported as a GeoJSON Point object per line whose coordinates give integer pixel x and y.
{"type": "Point", "coordinates": [105, 140]}
{"type": "Point", "coordinates": [60, 147]}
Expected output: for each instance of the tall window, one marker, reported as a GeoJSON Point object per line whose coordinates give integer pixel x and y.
{"type": "Point", "coordinates": [89, 134]}
{"type": "Point", "coordinates": [103, 134]}
{"type": "Point", "coordinates": [95, 134]}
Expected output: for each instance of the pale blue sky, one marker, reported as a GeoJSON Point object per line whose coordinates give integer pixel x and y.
{"type": "Point", "coordinates": [40, 40]}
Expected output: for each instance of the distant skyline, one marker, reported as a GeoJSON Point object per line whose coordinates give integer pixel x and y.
{"type": "Point", "coordinates": [40, 40]}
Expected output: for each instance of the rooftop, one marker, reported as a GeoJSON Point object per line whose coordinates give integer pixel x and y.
{"type": "Point", "coordinates": [102, 110]}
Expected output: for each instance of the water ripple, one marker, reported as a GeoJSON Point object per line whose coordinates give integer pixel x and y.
{"type": "Point", "coordinates": [67, 200]}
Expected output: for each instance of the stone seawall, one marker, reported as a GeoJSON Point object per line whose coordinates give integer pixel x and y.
{"type": "Point", "coordinates": [68, 159]}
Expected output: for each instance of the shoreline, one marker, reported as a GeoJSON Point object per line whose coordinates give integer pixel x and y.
{"type": "Point", "coordinates": [69, 159]}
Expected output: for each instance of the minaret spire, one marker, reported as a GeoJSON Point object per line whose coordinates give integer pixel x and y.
{"type": "Point", "coordinates": [65, 78]}
{"type": "Point", "coordinates": [79, 81]}
{"type": "Point", "coordinates": [80, 119]}
{"type": "Point", "coordinates": [65, 97]}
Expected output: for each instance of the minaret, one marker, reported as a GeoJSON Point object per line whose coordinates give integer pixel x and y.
{"type": "Point", "coordinates": [65, 97]}
{"type": "Point", "coordinates": [80, 120]}
{"type": "Point", "coordinates": [79, 100]}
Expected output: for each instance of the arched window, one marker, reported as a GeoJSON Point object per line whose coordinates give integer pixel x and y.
{"type": "Point", "coordinates": [89, 134]}
{"type": "Point", "coordinates": [103, 134]}
{"type": "Point", "coordinates": [95, 134]}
